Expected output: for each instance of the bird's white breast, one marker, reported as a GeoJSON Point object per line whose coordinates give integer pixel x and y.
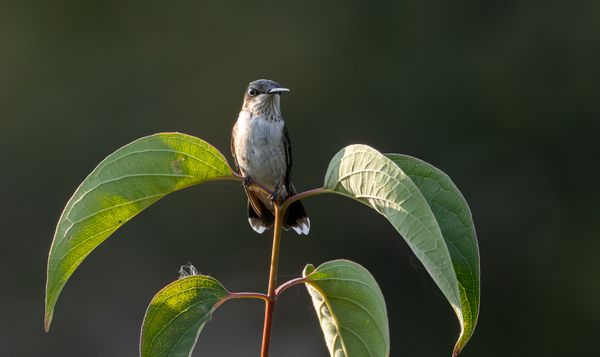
{"type": "Point", "coordinates": [259, 148]}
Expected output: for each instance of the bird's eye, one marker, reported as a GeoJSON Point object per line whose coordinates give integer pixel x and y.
{"type": "Point", "coordinates": [252, 92]}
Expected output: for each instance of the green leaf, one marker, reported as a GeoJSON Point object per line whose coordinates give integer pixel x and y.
{"type": "Point", "coordinates": [177, 314]}
{"type": "Point", "coordinates": [456, 223]}
{"type": "Point", "coordinates": [121, 186]}
{"type": "Point", "coordinates": [362, 173]}
{"type": "Point", "coordinates": [350, 308]}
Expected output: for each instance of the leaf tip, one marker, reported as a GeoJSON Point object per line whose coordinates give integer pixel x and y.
{"type": "Point", "coordinates": [47, 322]}
{"type": "Point", "coordinates": [48, 310]}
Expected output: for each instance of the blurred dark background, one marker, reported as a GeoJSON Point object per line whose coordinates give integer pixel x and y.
{"type": "Point", "coordinates": [502, 95]}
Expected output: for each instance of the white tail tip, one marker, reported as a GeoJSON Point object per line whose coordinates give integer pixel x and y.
{"type": "Point", "coordinates": [257, 225]}
{"type": "Point", "coordinates": [302, 227]}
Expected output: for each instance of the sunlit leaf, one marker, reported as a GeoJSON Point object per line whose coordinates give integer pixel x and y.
{"type": "Point", "coordinates": [350, 308]}
{"type": "Point", "coordinates": [121, 186]}
{"type": "Point", "coordinates": [177, 314]}
{"type": "Point", "coordinates": [362, 173]}
{"type": "Point", "coordinates": [455, 221]}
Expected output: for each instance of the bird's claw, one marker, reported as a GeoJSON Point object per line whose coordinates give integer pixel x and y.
{"type": "Point", "coordinates": [248, 181]}
{"type": "Point", "coordinates": [278, 195]}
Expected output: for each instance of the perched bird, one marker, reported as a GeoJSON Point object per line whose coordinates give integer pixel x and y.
{"type": "Point", "coordinates": [261, 148]}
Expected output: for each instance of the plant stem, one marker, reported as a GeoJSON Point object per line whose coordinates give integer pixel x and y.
{"type": "Point", "coordinates": [303, 195]}
{"type": "Point", "coordinates": [244, 295]}
{"type": "Point", "coordinates": [240, 178]}
{"type": "Point", "coordinates": [270, 303]}
{"type": "Point", "coordinates": [272, 293]}
{"type": "Point", "coordinates": [288, 285]}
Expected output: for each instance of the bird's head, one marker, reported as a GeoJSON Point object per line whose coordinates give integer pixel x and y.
{"type": "Point", "coordinates": [263, 98]}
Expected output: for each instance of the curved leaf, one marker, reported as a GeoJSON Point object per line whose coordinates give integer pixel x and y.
{"type": "Point", "coordinates": [350, 308]}
{"type": "Point", "coordinates": [121, 186]}
{"type": "Point", "coordinates": [362, 173]}
{"type": "Point", "coordinates": [177, 314]}
{"type": "Point", "coordinates": [454, 218]}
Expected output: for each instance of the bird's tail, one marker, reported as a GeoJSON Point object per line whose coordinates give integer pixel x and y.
{"type": "Point", "coordinates": [261, 216]}
{"type": "Point", "coordinates": [296, 219]}
{"type": "Point", "coordinates": [295, 216]}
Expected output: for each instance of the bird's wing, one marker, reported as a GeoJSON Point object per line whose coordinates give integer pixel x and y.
{"type": "Point", "coordinates": [233, 147]}
{"type": "Point", "coordinates": [295, 217]}
{"type": "Point", "coordinates": [288, 156]}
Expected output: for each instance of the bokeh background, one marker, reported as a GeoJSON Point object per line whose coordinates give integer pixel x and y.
{"type": "Point", "coordinates": [502, 95]}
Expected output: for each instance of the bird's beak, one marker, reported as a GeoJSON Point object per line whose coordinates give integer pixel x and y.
{"type": "Point", "coordinates": [278, 90]}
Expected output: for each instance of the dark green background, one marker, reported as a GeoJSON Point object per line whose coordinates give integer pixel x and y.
{"type": "Point", "coordinates": [502, 95]}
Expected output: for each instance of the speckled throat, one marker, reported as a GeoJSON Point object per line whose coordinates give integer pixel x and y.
{"type": "Point", "coordinates": [267, 107]}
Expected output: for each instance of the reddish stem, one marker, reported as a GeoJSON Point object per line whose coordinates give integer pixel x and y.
{"type": "Point", "coordinates": [288, 285]}
{"type": "Point", "coordinates": [303, 195]}
{"type": "Point", "coordinates": [272, 293]}
{"type": "Point", "coordinates": [243, 295]}
{"type": "Point", "coordinates": [270, 305]}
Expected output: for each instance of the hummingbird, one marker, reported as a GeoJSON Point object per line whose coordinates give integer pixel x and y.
{"type": "Point", "coordinates": [262, 152]}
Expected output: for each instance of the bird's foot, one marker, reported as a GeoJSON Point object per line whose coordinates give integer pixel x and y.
{"type": "Point", "coordinates": [248, 181]}
{"type": "Point", "coordinates": [279, 194]}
